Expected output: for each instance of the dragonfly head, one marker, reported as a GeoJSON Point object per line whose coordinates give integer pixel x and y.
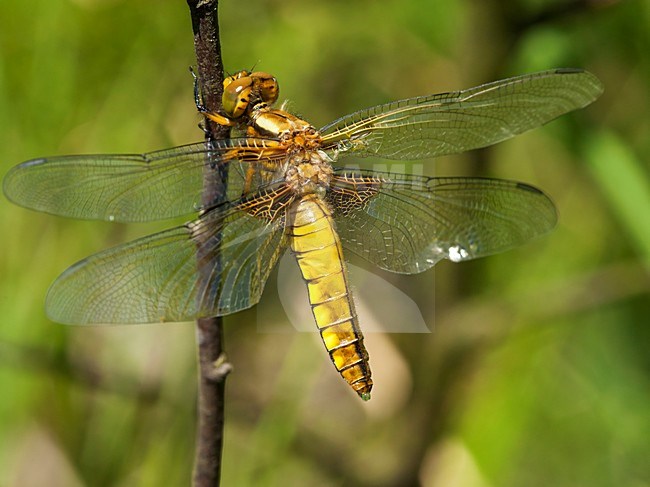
{"type": "Point", "coordinates": [243, 91]}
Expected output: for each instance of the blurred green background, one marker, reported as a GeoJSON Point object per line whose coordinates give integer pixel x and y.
{"type": "Point", "coordinates": [537, 371]}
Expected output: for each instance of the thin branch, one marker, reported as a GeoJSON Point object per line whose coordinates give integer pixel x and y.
{"type": "Point", "coordinates": [213, 368]}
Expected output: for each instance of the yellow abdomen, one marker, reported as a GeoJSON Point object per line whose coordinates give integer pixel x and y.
{"type": "Point", "coordinates": [317, 247]}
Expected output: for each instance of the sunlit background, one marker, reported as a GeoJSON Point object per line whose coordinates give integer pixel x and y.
{"type": "Point", "coordinates": [537, 369]}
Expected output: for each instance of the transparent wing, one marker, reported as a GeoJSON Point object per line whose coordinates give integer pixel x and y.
{"type": "Point", "coordinates": [143, 187]}
{"type": "Point", "coordinates": [454, 122]}
{"type": "Point", "coordinates": [406, 224]}
{"type": "Point", "coordinates": [156, 278]}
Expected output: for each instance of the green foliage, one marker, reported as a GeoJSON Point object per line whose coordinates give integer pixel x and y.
{"type": "Point", "coordinates": [537, 371]}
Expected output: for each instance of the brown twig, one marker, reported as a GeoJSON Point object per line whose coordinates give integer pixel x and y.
{"type": "Point", "coordinates": [213, 368]}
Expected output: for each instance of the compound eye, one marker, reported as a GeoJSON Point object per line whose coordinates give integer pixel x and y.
{"type": "Point", "coordinates": [235, 97]}
{"type": "Point", "coordinates": [267, 86]}
{"type": "Point", "coordinates": [237, 75]}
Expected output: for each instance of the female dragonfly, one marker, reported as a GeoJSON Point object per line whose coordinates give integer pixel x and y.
{"type": "Point", "coordinates": [278, 187]}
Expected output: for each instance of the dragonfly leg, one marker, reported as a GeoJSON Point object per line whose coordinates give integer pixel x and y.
{"type": "Point", "coordinates": [264, 169]}
{"type": "Point", "coordinates": [249, 178]}
{"type": "Point", "coordinates": [214, 116]}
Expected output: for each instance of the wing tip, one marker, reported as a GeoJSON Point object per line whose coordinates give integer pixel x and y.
{"type": "Point", "coordinates": [528, 187]}
{"type": "Point", "coordinates": [569, 70]}
{"type": "Point", "coordinates": [550, 208]}
{"type": "Point", "coordinates": [11, 186]}
{"type": "Point", "coordinates": [596, 85]}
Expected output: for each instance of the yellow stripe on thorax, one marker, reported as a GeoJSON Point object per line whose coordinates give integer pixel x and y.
{"type": "Point", "coordinates": [318, 250]}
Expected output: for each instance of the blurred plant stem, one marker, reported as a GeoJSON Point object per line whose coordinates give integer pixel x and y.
{"type": "Point", "coordinates": [213, 368]}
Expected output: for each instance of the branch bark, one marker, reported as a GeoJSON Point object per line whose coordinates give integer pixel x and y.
{"type": "Point", "coordinates": [212, 365]}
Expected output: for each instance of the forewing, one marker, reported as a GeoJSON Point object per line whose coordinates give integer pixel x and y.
{"type": "Point", "coordinates": [143, 187]}
{"type": "Point", "coordinates": [157, 278]}
{"type": "Point", "coordinates": [406, 224]}
{"type": "Point", "coordinates": [455, 122]}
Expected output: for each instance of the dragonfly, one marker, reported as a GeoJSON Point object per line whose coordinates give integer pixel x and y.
{"type": "Point", "coordinates": [280, 184]}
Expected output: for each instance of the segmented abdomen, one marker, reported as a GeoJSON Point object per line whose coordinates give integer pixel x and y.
{"type": "Point", "coordinates": [317, 247]}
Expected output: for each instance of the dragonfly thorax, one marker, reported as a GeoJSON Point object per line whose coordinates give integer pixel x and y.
{"type": "Point", "coordinates": [309, 172]}
{"type": "Point", "coordinates": [269, 122]}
